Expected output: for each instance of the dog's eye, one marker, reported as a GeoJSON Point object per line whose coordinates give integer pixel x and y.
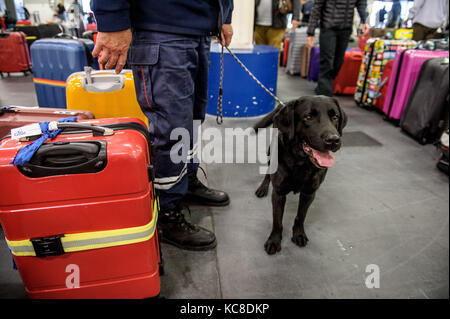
{"type": "Point", "coordinates": [308, 117]}
{"type": "Point", "coordinates": [335, 117]}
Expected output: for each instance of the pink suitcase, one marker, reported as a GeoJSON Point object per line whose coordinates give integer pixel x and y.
{"type": "Point", "coordinates": [404, 74]}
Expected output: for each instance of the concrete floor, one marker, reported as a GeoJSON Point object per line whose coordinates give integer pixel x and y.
{"type": "Point", "coordinates": [384, 203]}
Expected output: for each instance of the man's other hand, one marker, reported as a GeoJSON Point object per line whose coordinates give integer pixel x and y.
{"type": "Point", "coordinates": [112, 47]}
{"type": "Point", "coordinates": [365, 29]}
{"type": "Point", "coordinates": [227, 34]}
{"type": "Point", "coordinates": [295, 24]}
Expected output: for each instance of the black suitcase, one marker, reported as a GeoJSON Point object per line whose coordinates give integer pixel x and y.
{"type": "Point", "coordinates": [49, 30]}
{"type": "Point", "coordinates": [31, 31]}
{"type": "Point", "coordinates": [424, 115]}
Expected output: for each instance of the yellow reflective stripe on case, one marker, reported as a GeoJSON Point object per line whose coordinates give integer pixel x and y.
{"type": "Point", "coordinates": [94, 240]}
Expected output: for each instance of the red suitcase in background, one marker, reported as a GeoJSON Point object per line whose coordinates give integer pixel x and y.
{"type": "Point", "coordinates": [362, 40]}
{"type": "Point", "coordinates": [84, 229]}
{"type": "Point", "coordinates": [14, 53]}
{"type": "Point", "coordinates": [384, 84]}
{"type": "Point", "coordinates": [23, 22]}
{"type": "Point", "coordinates": [91, 27]}
{"type": "Point", "coordinates": [285, 51]}
{"type": "Point", "coordinates": [16, 116]}
{"type": "Point", "coordinates": [345, 82]}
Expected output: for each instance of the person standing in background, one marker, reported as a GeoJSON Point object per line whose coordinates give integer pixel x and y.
{"type": "Point", "coordinates": [427, 18]}
{"type": "Point", "coordinates": [394, 15]}
{"type": "Point", "coordinates": [381, 17]}
{"type": "Point", "coordinates": [336, 22]}
{"type": "Point", "coordinates": [60, 11]}
{"type": "Point", "coordinates": [306, 10]}
{"type": "Point", "coordinates": [270, 24]}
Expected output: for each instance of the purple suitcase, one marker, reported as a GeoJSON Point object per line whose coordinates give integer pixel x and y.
{"type": "Point", "coordinates": [314, 64]}
{"type": "Point", "coordinates": [404, 74]}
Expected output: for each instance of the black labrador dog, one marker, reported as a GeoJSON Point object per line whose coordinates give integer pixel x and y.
{"type": "Point", "coordinates": [310, 128]}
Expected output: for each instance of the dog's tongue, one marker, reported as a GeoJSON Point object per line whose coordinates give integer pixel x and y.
{"type": "Point", "coordinates": [324, 159]}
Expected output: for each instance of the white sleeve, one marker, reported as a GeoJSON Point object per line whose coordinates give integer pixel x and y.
{"type": "Point", "coordinates": [418, 4]}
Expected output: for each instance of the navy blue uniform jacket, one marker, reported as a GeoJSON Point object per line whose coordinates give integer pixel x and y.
{"type": "Point", "coordinates": [192, 17]}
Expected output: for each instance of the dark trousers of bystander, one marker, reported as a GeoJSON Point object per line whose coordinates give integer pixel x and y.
{"type": "Point", "coordinates": [421, 32]}
{"type": "Point", "coordinates": [333, 43]}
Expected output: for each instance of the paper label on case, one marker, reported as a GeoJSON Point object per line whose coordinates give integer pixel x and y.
{"type": "Point", "coordinates": [26, 131]}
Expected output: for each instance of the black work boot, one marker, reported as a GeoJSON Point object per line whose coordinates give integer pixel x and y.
{"type": "Point", "coordinates": [202, 195]}
{"type": "Point", "coordinates": [175, 230]}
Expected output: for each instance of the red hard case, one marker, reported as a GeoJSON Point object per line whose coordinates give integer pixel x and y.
{"type": "Point", "coordinates": [386, 77]}
{"type": "Point", "coordinates": [345, 81]}
{"type": "Point", "coordinates": [14, 52]}
{"type": "Point", "coordinates": [12, 117]}
{"type": "Point", "coordinates": [285, 51]}
{"type": "Point", "coordinates": [119, 196]}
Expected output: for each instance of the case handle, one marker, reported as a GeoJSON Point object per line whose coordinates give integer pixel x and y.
{"type": "Point", "coordinates": [97, 130]}
{"type": "Point", "coordinates": [103, 83]}
{"type": "Point", "coordinates": [66, 158]}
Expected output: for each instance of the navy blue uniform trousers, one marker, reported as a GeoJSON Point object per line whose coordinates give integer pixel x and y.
{"type": "Point", "coordinates": [171, 79]}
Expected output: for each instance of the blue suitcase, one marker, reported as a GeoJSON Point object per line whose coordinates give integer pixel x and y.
{"type": "Point", "coordinates": [53, 61]}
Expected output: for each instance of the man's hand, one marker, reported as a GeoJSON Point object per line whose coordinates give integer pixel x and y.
{"type": "Point", "coordinates": [365, 29]}
{"type": "Point", "coordinates": [113, 47]}
{"type": "Point", "coordinates": [310, 41]}
{"type": "Point", "coordinates": [226, 35]}
{"type": "Point", "coordinates": [406, 22]}
{"type": "Point", "coordinates": [295, 24]}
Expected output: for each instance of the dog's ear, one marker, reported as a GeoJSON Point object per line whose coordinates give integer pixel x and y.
{"type": "Point", "coordinates": [284, 119]}
{"type": "Point", "coordinates": [342, 117]}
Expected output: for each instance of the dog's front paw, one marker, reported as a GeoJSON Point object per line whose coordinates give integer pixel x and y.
{"type": "Point", "coordinates": [273, 245]}
{"type": "Point", "coordinates": [262, 191]}
{"type": "Point", "coordinates": [300, 239]}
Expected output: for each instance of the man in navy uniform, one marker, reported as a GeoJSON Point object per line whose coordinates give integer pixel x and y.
{"type": "Point", "coordinates": [166, 43]}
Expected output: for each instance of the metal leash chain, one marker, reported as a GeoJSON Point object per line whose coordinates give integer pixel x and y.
{"type": "Point", "coordinates": [220, 99]}
{"type": "Point", "coordinates": [219, 118]}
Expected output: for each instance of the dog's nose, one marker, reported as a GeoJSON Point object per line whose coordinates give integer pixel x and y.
{"type": "Point", "coordinates": [331, 139]}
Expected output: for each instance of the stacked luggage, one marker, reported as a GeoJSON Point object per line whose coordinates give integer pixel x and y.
{"type": "Point", "coordinates": [377, 53]}
{"type": "Point", "coordinates": [296, 43]}
{"type": "Point", "coordinates": [31, 32]}
{"type": "Point", "coordinates": [104, 230]}
{"type": "Point", "coordinates": [53, 61]}
{"type": "Point", "coordinates": [14, 53]}
{"type": "Point", "coordinates": [406, 68]}
{"type": "Point", "coordinates": [36, 32]}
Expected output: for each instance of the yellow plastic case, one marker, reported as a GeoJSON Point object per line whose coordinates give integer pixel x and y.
{"type": "Point", "coordinates": [104, 93]}
{"type": "Point", "coordinates": [403, 34]}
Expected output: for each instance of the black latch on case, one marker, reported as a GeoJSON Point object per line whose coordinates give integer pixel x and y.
{"type": "Point", "coordinates": [151, 173]}
{"type": "Point", "coordinates": [48, 246]}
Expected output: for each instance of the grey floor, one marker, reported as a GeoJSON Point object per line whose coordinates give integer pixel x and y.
{"type": "Point", "coordinates": [383, 203]}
